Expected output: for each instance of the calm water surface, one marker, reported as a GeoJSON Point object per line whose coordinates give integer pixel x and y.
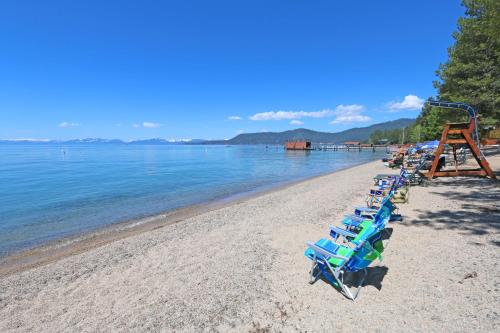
{"type": "Point", "coordinates": [48, 191]}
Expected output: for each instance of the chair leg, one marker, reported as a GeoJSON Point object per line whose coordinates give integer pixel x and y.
{"type": "Point", "coordinates": [313, 277]}
{"type": "Point", "coordinates": [340, 280]}
{"type": "Point", "coordinates": [347, 292]}
{"type": "Point", "coordinates": [387, 241]}
{"type": "Point", "coordinates": [365, 273]}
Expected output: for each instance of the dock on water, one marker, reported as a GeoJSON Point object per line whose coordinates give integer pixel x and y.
{"type": "Point", "coordinates": [346, 146]}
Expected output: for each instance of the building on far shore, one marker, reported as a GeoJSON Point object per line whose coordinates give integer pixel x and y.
{"type": "Point", "coordinates": [298, 145]}
{"type": "Point", "coordinates": [352, 143]}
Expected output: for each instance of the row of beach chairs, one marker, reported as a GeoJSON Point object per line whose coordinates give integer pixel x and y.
{"type": "Point", "coordinates": [361, 237]}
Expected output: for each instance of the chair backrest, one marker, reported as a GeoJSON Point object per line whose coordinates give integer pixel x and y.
{"type": "Point", "coordinates": [376, 192]}
{"type": "Point", "coordinates": [384, 212]}
{"type": "Point", "coordinates": [422, 163]}
{"type": "Point", "coordinates": [395, 182]}
{"type": "Point", "coordinates": [398, 183]}
{"type": "Point", "coordinates": [365, 252]}
{"type": "Point", "coordinates": [368, 228]}
{"type": "Point", "coordinates": [403, 173]}
{"type": "Point", "coordinates": [368, 241]}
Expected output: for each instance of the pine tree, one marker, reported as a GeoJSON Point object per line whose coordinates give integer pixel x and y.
{"type": "Point", "coordinates": [472, 72]}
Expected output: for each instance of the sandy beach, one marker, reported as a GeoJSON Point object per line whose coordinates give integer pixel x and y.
{"type": "Point", "coordinates": [241, 268]}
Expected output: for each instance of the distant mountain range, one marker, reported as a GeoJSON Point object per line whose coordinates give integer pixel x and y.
{"type": "Point", "coordinates": [110, 141]}
{"type": "Point", "coordinates": [354, 134]}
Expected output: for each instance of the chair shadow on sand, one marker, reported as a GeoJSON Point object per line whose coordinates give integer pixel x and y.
{"type": "Point", "coordinates": [375, 276]}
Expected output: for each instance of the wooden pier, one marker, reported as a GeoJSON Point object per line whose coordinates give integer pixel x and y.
{"type": "Point", "coordinates": [344, 147]}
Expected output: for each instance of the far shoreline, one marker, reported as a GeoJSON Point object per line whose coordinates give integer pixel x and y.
{"type": "Point", "coordinates": [54, 250]}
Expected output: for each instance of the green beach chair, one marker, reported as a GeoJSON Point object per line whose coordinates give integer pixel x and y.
{"type": "Point", "coordinates": [333, 261]}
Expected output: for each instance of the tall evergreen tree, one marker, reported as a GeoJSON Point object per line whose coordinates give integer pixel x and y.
{"type": "Point", "coordinates": [472, 72]}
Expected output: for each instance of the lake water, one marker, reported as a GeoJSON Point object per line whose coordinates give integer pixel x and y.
{"type": "Point", "coordinates": [49, 191]}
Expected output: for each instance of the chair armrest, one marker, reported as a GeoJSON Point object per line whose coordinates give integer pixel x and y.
{"type": "Point", "coordinates": [355, 218]}
{"type": "Point", "coordinates": [342, 232]}
{"type": "Point", "coordinates": [366, 209]}
{"type": "Point", "coordinates": [365, 212]}
{"type": "Point", "coordinates": [324, 252]}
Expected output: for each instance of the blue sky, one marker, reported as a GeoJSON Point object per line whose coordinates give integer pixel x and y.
{"type": "Point", "coordinates": [212, 69]}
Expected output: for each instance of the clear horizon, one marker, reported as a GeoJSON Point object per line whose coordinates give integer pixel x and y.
{"type": "Point", "coordinates": [166, 138]}
{"type": "Point", "coordinates": [214, 70]}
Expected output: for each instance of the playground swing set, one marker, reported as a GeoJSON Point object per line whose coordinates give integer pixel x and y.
{"type": "Point", "coordinates": [455, 134]}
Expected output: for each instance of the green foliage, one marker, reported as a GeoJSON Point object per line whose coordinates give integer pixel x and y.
{"type": "Point", "coordinates": [431, 121]}
{"type": "Point", "coordinates": [472, 72]}
{"type": "Point", "coordinates": [391, 135]}
{"type": "Point", "coordinates": [415, 133]}
{"type": "Point", "coordinates": [471, 75]}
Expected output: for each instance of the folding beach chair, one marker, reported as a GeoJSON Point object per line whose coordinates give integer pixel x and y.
{"type": "Point", "coordinates": [380, 177]}
{"type": "Point", "coordinates": [404, 177]}
{"type": "Point", "coordinates": [369, 213]}
{"type": "Point", "coordinates": [394, 182]}
{"type": "Point", "coordinates": [399, 186]}
{"type": "Point", "coordinates": [414, 177]}
{"type": "Point", "coordinates": [380, 215]}
{"type": "Point", "coordinates": [376, 196]}
{"type": "Point", "coordinates": [334, 261]}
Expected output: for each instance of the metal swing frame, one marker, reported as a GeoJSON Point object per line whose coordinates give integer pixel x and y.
{"type": "Point", "coordinates": [468, 134]}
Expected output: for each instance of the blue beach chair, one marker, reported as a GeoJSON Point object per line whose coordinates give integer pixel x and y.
{"type": "Point", "coordinates": [355, 235]}
{"type": "Point", "coordinates": [382, 177]}
{"type": "Point", "coordinates": [396, 182]}
{"type": "Point", "coordinates": [333, 261]}
{"type": "Point", "coordinates": [392, 183]}
{"type": "Point", "coordinates": [375, 198]}
{"type": "Point", "coordinates": [404, 177]}
{"type": "Point", "coordinates": [374, 214]}
{"type": "Point", "coordinates": [356, 225]}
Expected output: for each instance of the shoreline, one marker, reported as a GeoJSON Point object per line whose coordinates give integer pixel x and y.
{"type": "Point", "coordinates": [242, 268]}
{"type": "Point", "coordinates": [57, 249]}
